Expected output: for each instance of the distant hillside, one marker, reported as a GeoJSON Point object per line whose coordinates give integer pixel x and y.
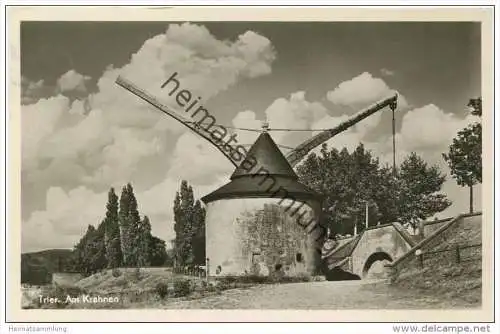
{"type": "Point", "coordinates": [37, 267]}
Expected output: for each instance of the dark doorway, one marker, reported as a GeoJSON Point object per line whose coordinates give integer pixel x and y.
{"type": "Point", "coordinates": [298, 257]}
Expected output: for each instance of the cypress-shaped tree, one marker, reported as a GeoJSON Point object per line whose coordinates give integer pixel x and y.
{"type": "Point", "coordinates": [143, 244]}
{"type": "Point", "coordinates": [90, 251]}
{"type": "Point", "coordinates": [125, 233]}
{"type": "Point", "coordinates": [179, 229]}
{"type": "Point", "coordinates": [188, 208]}
{"type": "Point", "coordinates": [112, 232]}
{"type": "Point", "coordinates": [98, 245]}
{"type": "Point", "coordinates": [81, 251]}
{"type": "Point", "coordinates": [198, 239]}
{"type": "Point", "coordinates": [183, 214]}
{"type": "Point", "coordinates": [134, 224]}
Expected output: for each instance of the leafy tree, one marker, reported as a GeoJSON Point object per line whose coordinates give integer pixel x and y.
{"type": "Point", "coordinates": [198, 238]}
{"type": "Point", "coordinates": [419, 186]}
{"type": "Point", "coordinates": [90, 251]}
{"type": "Point", "coordinates": [98, 258]}
{"type": "Point", "coordinates": [189, 216]}
{"type": "Point", "coordinates": [353, 181]}
{"type": "Point", "coordinates": [464, 155]}
{"type": "Point", "coordinates": [477, 106]}
{"type": "Point", "coordinates": [143, 243]}
{"type": "Point", "coordinates": [112, 232]}
{"type": "Point", "coordinates": [122, 238]}
{"type": "Point", "coordinates": [135, 228]}
{"type": "Point", "coordinates": [81, 250]}
{"type": "Point", "coordinates": [349, 182]}
{"type": "Point", "coordinates": [157, 252]}
{"type": "Point", "coordinates": [125, 228]}
{"type": "Point", "coordinates": [178, 229]}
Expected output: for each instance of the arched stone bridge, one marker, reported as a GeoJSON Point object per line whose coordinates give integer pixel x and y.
{"type": "Point", "coordinates": [357, 255]}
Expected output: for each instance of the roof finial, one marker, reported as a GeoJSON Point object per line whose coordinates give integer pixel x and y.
{"type": "Point", "coordinates": [265, 126]}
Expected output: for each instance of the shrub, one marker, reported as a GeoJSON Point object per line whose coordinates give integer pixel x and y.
{"type": "Point", "coordinates": [182, 287]}
{"type": "Point", "coordinates": [121, 282]}
{"type": "Point", "coordinates": [304, 277]}
{"type": "Point", "coordinates": [254, 279]}
{"type": "Point", "coordinates": [318, 278]}
{"type": "Point", "coordinates": [116, 272]}
{"type": "Point", "coordinates": [136, 275]}
{"type": "Point", "coordinates": [211, 287]}
{"type": "Point", "coordinates": [223, 285]}
{"type": "Point", "coordinates": [162, 290]}
{"type": "Point", "coordinates": [292, 279]}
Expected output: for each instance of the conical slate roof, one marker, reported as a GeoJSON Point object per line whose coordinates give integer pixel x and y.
{"type": "Point", "coordinates": [271, 177]}
{"type": "Point", "coordinates": [269, 158]}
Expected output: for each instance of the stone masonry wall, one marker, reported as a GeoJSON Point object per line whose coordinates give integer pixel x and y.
{"type": "Point", "coordinates": [257, 236]}
{"type": "Point", "coordinates": [384, 240]}
{"type": "Point", "coordinates": [465, 231]}
{"type": "Point", "coordinates": [430, 227]}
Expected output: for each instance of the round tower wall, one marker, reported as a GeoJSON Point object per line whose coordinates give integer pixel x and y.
{"type": "Point", "coordinates": [263, 236]}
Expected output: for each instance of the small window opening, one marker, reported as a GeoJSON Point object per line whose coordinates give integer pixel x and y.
{"type": "Point", "coordinates": [298, 257]}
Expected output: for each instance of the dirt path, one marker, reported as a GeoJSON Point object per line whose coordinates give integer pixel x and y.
{"type": "Point", "coordinates": [319, 295]}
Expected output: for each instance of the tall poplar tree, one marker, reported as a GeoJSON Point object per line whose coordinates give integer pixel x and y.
{"type": "Point", "coordinates": [125, 233]}
{"type": "Point", "coordinates": [189, 226]}
{"type": "Point", "coordinates": [198, 238]}
{"type": "Point", "coordinates": [112, 232]}
{"type": "Point", "coordinates": [90, 251]}
{"type": "Point", "coordinates": [143, 243]}
{"type": "Point", "coordinates": [187, 206]}
{"type": "Point", "coordinates": [135, 230]}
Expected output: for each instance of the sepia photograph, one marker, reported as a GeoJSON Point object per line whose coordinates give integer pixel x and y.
{"type": "Point", "coordinates": [252, 165]}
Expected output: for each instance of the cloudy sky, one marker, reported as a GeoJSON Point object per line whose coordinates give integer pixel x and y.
{"type": "Point", "coordinates": [82, 134]}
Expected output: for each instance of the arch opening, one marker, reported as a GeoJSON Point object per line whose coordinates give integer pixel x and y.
{"type": "Point", "coordinates": [337, 274]}
{"type": "Point", "coordinates": [374, 265]}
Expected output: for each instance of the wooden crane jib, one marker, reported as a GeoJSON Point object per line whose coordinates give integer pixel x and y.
{"type": "Point", "coordinates": [293, 157]}
{"type": "Point", "coordinates": [296, 155]}
{"type": "Point", "coordinates": [194, 126]}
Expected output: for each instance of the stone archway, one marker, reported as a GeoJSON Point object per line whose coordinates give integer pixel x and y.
{"type": "Point", "coordinates": [378, 259]}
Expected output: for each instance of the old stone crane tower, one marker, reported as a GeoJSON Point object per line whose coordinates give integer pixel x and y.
{"type": "Point", "coordinates": [263, 220]}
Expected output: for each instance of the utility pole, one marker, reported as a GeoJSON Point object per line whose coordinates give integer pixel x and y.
{"type": "Point", "coordinates": [393, 108]}
{"type": "Point", "coordinates": [366, 214]}
{"type": "Point", "coordinates": [471, 199]}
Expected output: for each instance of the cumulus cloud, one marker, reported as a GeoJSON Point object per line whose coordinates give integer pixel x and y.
{"type": "Point", "coordinates": [76, 149]}
{"type": "Point", "coordinates": [387, 72]}
{"type": "Point", "coordinates": [32, 91]}
{"type": "Point", "coordinates": [363, 89]}
{"type": "Point", "coordinates": [38, 122]}
{"type": "Point", "coordinates": [430, 126]}
{"type": "Point", "coordinates": [66, 215]}
{"type": "Point", "coordinates": [293, 113]}
{"type": "Point", "coordinates": [246, 119]}
{"type": "Point", "coordinates": [197, 160]}
{"type": "Point", "coordinates": [204, 64]}
{"type": "Point", "coordinates": [72, 81]}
